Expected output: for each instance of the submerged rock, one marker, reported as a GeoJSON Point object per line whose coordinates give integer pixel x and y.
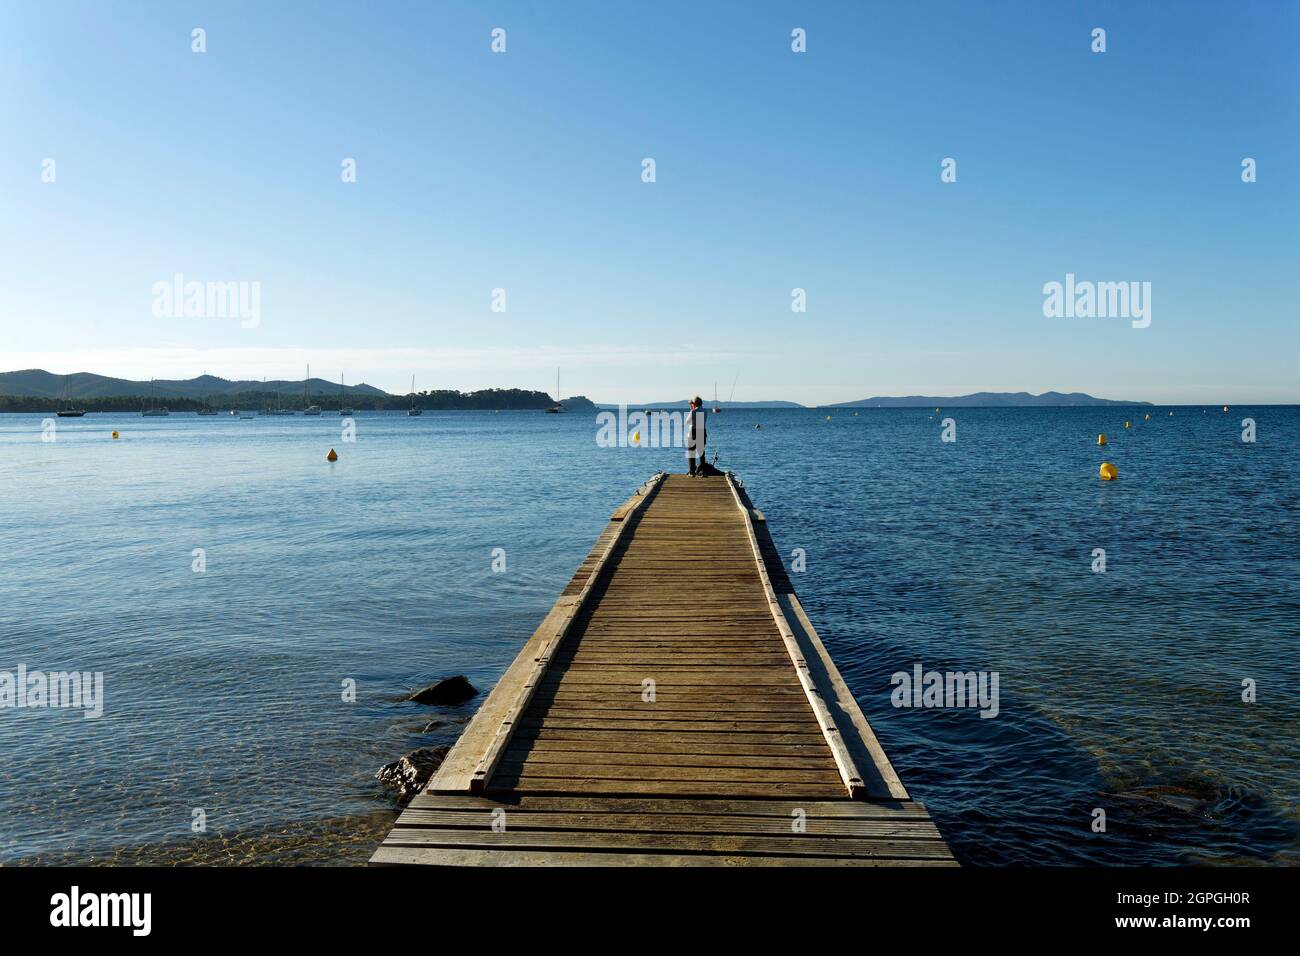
{"type": "Point", "coordinates": [453, 690]}
{"type": "Point", "coordinates": [1178, 799]}
{"type": "Point", "coordinates": [408, 775]}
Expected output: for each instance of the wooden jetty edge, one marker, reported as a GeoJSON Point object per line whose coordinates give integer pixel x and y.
{"type": "Point", "coordinates": [675, 707]}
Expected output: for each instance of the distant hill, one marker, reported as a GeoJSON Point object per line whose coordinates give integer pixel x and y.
{"type": "Point", "coordinates": [908, 401]}
{"type": "Point", "coordinates": [35, 390]}
{"type": "Point", "coordinates": [983, 398]}
{"type": "Point", "coordinates": [38, 383]}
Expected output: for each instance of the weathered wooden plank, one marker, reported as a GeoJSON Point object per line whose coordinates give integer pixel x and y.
{"type": "Point", "coordinates": [650, 746]}
{"type": "Point", "coordinates": [742, 709]}
{"type": "Point", "coordinates": [721, 724]}
{"type": "Point", "coordinates": [663, 788]}
{"type": "Point", "coordinates": [606, 770]}
{"type": "Point", "coordinates": [694, 676]}
{"type": "Point", "coordinates": [564, 758]}
{"type": "Point", "coordinates": [720, 696]}
{"type": "Point", "coordinates": [442, 856]}
{"type": "Point", "coordinates": [652, 780]}
{"type": "Point", "coordinates": [698, 738]}
{"type": "Point", "coordinates": [654, 712]}
{"type": "Point", "coordinates": [756, 844]}
{"type": "Point", "coordinates": [836, 807]}
{"type": "Point", "coordinates": [920, 828]}
{"type": "Point", "coordinates": [667, 703]}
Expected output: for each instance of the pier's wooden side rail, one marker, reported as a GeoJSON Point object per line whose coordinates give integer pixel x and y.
{"type": "Point", "coordinates": [675, 707]}
{"type": "Point", "coordinates": [472, 759]}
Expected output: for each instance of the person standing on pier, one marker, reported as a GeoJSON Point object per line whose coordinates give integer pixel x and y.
{"type": "Point", "coordinates": [696, 437]}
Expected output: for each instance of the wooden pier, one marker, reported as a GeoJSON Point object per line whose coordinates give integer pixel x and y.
{"type": "Point", "coordinates": [675, 707]}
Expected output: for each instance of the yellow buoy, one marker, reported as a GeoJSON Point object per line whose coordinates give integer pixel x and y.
{"type": "Point", "coordinates": [1101, 439]}
{"type": "Point", "coordinates": [1108, 471]}
{"type": "Point", "coordinates": [636, 438]}
{"type": "Point", "coordinates": [1126, 424]}
{"type": "Point", "coordinates": [114, 434]}
{"type": "Point", "coordinates": [332, 456]}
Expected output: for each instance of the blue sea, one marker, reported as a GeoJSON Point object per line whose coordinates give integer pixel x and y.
{"type": "Point", "coordinates": [226, 735]}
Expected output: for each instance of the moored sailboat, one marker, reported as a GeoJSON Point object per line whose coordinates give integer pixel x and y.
{"type": "Point", "coordinates": [414, 409]}
{"type": "Point", "coordinates": [559, 405]}
{"type": "Point", "coordinates": [343, 409]}
{"type": "Point", "coordinates": [154, 411]}
{"type": "Point", "coordinates": [279, 409]}
{"type": "Point", "coordinates": [67, 411]}
{"type": "Point", "coordinates": [306, 396]}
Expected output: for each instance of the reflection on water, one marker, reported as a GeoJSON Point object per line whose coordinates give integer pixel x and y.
{"type": "Point", "coordinates": [1120, 691]}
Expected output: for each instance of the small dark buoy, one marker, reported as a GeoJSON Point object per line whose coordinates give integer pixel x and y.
{"type": "Point", "coordinates": [332, 456]}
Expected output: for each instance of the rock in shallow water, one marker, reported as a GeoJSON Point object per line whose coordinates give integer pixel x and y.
{"type": "Point", "coordinates": [453, 690]}
{"type": "Point", "coordinates": [408, 775]}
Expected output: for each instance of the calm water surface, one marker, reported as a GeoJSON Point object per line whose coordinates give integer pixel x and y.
{"type": "Point", "coordinates": [1119, 691]}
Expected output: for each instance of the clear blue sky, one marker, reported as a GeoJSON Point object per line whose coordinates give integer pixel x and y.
{"type": "Point", "coordinates": [775, 170]}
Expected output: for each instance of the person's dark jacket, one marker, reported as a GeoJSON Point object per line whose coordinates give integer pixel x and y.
{"type": "Point", "coordinates": [696, 441]}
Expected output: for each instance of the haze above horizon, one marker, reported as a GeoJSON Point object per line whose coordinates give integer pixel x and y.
{"type": "Point", "coordinates": [522, 171]}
